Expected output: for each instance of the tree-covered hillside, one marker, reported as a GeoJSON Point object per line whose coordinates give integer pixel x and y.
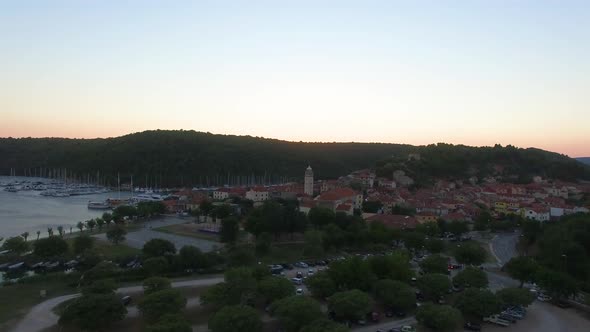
{"type": "Point", "coordinates": [167, 158]}
{"type": "Point", "coordinates": [509, 163]}
{"type": "Point", "coordinates": [585, 160]}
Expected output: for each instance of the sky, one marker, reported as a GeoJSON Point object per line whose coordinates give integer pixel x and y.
{"type": "Point", "coordinates": [419, 72]}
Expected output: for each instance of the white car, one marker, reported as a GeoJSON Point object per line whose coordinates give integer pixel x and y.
{"type": "Point", "coordinates": [297, 281]}
{"type": "Point", "coordinates": [299, 291]}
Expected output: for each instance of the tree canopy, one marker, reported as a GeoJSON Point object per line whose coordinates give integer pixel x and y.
{"type": "Point", "coordinates": [395, 294]}
{"type": "Point", "coordinates": [352, 305]}
{"type": "Point", "coordinates": [235, 318]}
{"type": "Point", "coordinates": [93, 312]}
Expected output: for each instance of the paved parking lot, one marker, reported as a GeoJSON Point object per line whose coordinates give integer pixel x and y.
{"type": "Point", "coordinates": [544, 317]}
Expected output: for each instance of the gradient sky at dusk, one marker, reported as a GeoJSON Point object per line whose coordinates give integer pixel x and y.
{"type": "Point", "coordinates": [418, 72]}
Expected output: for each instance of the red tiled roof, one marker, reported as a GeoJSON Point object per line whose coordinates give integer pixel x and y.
{"type": "Point", "coordinates": [343, 207]}
{"type": "Point", "coordinates": [337, 194]}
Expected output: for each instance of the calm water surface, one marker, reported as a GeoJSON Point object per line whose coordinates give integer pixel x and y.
{"type": "Point", "coordinates": [27, 211]}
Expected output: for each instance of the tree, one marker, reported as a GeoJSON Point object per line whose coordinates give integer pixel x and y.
{"type": "Point", "coordinates": [116, 234]}
{"type": "Point", "coordinates": [38, 234]}
{"type": "Point", "coordinates": [101, 270]}
{"type": "Point", "coordinates": [50, 231]}
{"type": "Point", "coordinates": [80, 226]}
{"type": "Point", "coordinates": [522, 269]}
{"type": "Point", "coordinates": [470, 253]}
{"type": "Point", "coordinates": [457, 227]}
{"type": "Point", "coordinates": [99, 223]}
{"type": "Point", "coordinates": [157, 304]}
{"type": "Point", "coordinates": [324, 325]}
{"type": "Point", "coordinates": [60, 231]}
{"type": "Point", "coordinates": [16, 244]}
{"type": "Point", "coordinates": [478, 303]}
{"type": "Point", "coordinates": [191, 257]}
{"type": "Point", "coordinates": [82, 243]}
{"type": "Point", "coordinates": [52, 246]}
{"type": "Point", "coordinates": [93, 312]}
{"type": "Point", "coordinates": [171, 323]}
{"type": "Point", "coordinates": [320, 217]}
{"type": "Point", "coordinates": [155, 265]}
{"type": "Point", "coordinates": [516, 296]}
{"type": "Point", "coordinates": [107, 217]}
{"type": "Point", "coordinates": [483, 221]}
{"type": "Point", "coordinates": [372, 206]}
{"type": "Point", "coordinates": [313, 244]}
{"type": "Point", "coordinates": [103, 286]}
{"type": "Point", "coordinates": [321, 285]}
{"type": "Point", "coordinates": [352, 305]}
{"type": "Point", "coordinates": [275, 288]}
{"type": "Point", "coordinates": [352, 273]}
{"type": "Point", "coordinates": [442, 318]}
{"type": "Point", "coordinates": [25, 235]}
{"type": "Point", "coordinates": [155, 284]}
{"type": "Point", "coordinates": [296, 311]}
{"type": "Point", "coordinates": [235, 318]}
{"type": "Point", "coordinates": [158, 247]}
{"type": "Point", "coordinates": [263, 243]}
{"type": "Point", "coordinates": [434, 285]}
{"type": "Point", "coordinates": [414, 240]}
{"type": "Point", "coordinates": [557, 284]}
{"type": "Point", "coordinates": [230, 228]}
{"type": "Point", "coordinates": [429, 229]}
{"type": "Point", "coordinates": [435, 264]}
{"type": "Point", "coordinates": [393, 266]}
{"type": "Point", "coordinates": [471, 277]}
{"type": "Point", "coordinates": [395, 294]}
{"type": "Point", "coordinates": [435, 245]}
{"type": "Point", "coordinates": [206, 207]}
{"type": "Point", "coordinates": [91, 224]}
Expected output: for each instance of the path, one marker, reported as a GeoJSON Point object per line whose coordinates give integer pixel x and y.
{"type": "Point", "coordinates": [503, 246]}
{"type": "Point", "coordinates": [385, 326]}
{"type": "Point", "coordinates": [42, 316]}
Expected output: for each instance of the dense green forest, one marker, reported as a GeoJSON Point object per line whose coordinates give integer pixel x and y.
{"type": "Point", "coordinates": [167, 158]}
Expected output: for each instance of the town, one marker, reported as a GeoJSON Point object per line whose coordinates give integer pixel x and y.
{"type": "Point", "coordinates": [359, 252]}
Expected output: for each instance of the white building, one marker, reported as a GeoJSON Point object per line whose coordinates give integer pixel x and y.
{"type": "Point", "coordinates": [308, 181]}
{"type": "Point", "coordinates": [221, 194]}
{"type": "Point", "coordinates": [257, 194]}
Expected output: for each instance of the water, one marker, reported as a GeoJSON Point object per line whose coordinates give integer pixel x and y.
{"type": "Point", "coordinates": [27, 211]}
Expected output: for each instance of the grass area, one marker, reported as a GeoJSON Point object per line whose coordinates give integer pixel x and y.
{"type": "Point", "coordinates": [188, 230]}
{"type": "Point", "coordinates": [16, 300]}
{"type": "Point", "coordinates": [110, 251]}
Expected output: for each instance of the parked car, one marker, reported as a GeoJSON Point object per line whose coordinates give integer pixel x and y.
{"type": "Point", "coordinates": [301, 265]}
{"type": "Point", "coordinates": [297, 281]}
{"type": "Point", "coordinates": [126, 300]}
{"type": "Point", "coordinates": [299, 291]}
{"type": "Point", "coordinates": [299, 275]}
{"type": "Point", "coordinates": [472, 326]}
{"type": "Point", "coordinates": [496, 320]}
{"type": "Point", "coordinates": [563, 304]}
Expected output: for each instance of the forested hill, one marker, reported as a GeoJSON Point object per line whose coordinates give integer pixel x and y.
{"type": "Point", "coordinates": [167, 158]}
{"type": "Point", "coordinates": [585, 160]}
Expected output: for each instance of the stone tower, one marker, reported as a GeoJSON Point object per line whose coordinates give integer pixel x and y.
{"type": "Point", "coordinates": [308, 182]}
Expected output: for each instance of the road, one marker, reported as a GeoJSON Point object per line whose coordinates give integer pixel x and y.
{"type": "Point", "coordinates": [137, 239]}
{"type": "Point", "coordinates": [41, 316]}
{"type": "Point", "coordinates": [386, 325]}
{"type": "Point", "coordinates": [544, 317]}
{"type": "Point", "coordinates": [503, 246]}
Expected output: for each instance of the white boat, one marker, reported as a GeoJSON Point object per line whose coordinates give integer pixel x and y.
{"type": "Point", "coordinates": [98, 205]}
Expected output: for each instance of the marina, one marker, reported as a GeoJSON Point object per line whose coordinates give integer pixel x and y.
{"type": "Point", "coordinates": [31, 211]}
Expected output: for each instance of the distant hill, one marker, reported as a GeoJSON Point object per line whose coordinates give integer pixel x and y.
{"type": "Point", "coordinates": [170, 158]}
{"type": "Point", "coordinates": [585, 160]}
